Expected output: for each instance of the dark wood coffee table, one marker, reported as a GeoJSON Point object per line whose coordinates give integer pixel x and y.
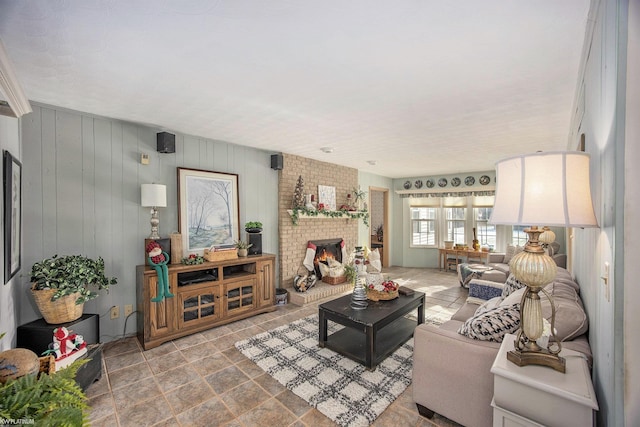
{"type": "Point", "coordinates": [372, 334]}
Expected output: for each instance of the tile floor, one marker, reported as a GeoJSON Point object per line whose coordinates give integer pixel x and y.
{"type": "Point", "coordinates": [202, 380]}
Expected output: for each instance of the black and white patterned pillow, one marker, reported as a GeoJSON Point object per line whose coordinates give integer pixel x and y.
{"type": "Point", "coordinates": [494, 324]}
{"type": "Point", "coordinates": [511, 285]}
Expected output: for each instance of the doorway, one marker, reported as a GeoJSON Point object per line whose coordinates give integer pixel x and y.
{"type": "Point", "coordinates": [379, 223]}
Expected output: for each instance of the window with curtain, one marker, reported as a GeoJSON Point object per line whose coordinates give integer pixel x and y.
{"type": "Point", "coordinates": [423, 226]}
{"type": "Point", "coordinates": [518, 236]}
{"type": "Point", "coordinates": [486, 232]}
{"type": "Point", "coordinates": [455, 224]}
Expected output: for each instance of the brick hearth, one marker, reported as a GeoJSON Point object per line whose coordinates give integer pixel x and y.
{"type": "Point", "coordinates": [319, 291]}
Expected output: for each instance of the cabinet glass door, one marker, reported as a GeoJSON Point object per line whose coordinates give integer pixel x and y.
{"type": "Point", "coordinates": [199, 306]}
{"type": "Point", "coordinates": [241, 296]}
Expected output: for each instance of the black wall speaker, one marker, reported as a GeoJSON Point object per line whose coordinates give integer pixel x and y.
{"type": "Point", "coordinates": [166, 142]}
{"type": "Point", "coordinates": [277, 162]}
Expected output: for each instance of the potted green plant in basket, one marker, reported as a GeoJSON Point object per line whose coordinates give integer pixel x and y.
{"type": "Point", "coordinates": [253, 227]}
{"type": "Point", "coordinates": [61, 285]}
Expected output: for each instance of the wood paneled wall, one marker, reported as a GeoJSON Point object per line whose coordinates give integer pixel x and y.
{"type": "Point", "coordinates": [81, 195]}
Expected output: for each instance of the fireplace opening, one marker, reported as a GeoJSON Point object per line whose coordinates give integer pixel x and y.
{"type": "Point", "coordinates": [324, 250]}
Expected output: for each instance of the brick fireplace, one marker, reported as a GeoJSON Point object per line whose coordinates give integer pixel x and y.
{"type": "Point", "coordinates": [294, 238]}
{"type": "Point", "coordinates": [324, 250]}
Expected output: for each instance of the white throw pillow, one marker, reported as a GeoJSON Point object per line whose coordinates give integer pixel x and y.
{"type": "Point", "coordinates": [514, 297]}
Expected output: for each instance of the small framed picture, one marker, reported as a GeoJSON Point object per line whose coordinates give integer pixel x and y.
{"type": "Point", "coordinates": [327, 197]}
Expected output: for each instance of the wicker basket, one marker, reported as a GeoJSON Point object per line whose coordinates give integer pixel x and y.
{"type": "Point", "coordinates": [47, 365]}
{"type": "Point", "coordinates": [334, 280]}
{"type": "Point", "coordinates": [219, 255]}
{"type": "Point", "coordinates": [62, 310]}
{"type": "Point", "coordinates": [374, 295]}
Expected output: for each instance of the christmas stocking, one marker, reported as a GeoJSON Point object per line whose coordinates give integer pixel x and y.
{"type": "Point", "coordinates": [309, 257]}
{"type": "Point", "coordinates": [344, 252]}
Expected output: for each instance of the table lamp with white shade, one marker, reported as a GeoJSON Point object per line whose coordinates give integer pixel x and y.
{"type": "Point", "coordinates": [541, 189]}
{"type": "Point", "coordinates": [154, 196]}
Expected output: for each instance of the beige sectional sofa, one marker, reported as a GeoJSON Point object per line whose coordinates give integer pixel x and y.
{"type": "Point", "coordinates": [451, 372]}
{"type": "Point", "coordinates": [499, 262]}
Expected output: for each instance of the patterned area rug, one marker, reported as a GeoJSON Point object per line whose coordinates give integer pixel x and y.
{"type": "Point", "coordinates": [340, 388]}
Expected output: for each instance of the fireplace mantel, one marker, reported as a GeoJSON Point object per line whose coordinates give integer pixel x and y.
{"type": "Point", "coordinates": [303, 213]}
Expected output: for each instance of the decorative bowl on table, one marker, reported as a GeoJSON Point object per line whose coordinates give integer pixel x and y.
{"type": "Point", "coordinates": [384, 291]}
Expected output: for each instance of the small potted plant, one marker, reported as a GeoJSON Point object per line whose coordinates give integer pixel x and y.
{"type": "Point", "coordinates": [380, 233]}
{"type": "Point", "coordinates": [253, 227]}
{"type": "Point", "coordinates": [243, 248]}
{"type": "Point", "coordinates": [61, 285]}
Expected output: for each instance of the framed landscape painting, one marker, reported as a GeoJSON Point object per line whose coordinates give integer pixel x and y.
{"type": "Point", "coordinates": [208, 213]}
{"type": "Point", "coordinates": [12, 193]}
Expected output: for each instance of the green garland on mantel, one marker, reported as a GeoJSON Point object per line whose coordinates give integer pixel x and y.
{"type": "Point", "coordinates": [295, 214]}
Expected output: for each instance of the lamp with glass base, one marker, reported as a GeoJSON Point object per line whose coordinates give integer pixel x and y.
{"type": "Point", "coordinates": [541, 189]}
{"type": "Point", "coordinates": [154, 196]}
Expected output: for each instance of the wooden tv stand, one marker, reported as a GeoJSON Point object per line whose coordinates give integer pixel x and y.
{"type": "Point", "coordinates": [228, 291]}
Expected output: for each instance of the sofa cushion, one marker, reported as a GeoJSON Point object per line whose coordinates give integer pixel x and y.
{"type": "Point", "coordinates": [511, 252]}
{"type": "Point", "coordinates": [501, 267]}
{"type": "Point", "coordinates": [514, 297]}
{"type": "Point", "coordinates": [466, 311]}
{"type": "Point", "coordinates": [571, 320]}
{"type": "Point", "coordinates": [493, 324]}
{"type": "Point", "coordinates": [488, 305]}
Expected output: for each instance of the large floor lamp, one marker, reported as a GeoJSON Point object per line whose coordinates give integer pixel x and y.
{"type": "Point", "coordinates": [541, 189]}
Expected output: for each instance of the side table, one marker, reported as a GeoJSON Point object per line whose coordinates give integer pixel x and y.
{"type": "Point", "coordinates": [536, 395]}
{"type": "Point", "coordinates": [37, 335]}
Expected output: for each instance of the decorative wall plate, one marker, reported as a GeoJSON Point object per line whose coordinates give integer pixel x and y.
{"type": "Point", "coordinates": [455, 181]}
{"type": "Point", "coordinates": [407, 185]}
{"type": "Point", "coordinates": [430, 183]}
{"type": "Point", "coordinates": [484, 180]}
{"type": "Point", "coordinates": [418, 183]}
{"type": "Point", "coordinates": [442, 182]}
{"type": "Point", "coordinates": [469, 181]}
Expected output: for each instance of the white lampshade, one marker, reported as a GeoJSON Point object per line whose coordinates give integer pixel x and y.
{"type": "Point", "coordinates": [544, 189]}
{"type": "Point", "coordinates": [154, 195]}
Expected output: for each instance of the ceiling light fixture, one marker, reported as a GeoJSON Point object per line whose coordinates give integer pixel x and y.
{"type": "Point", "coordinates": [372, 162]}
{"type": "Point", "coordinates": [327, 149]}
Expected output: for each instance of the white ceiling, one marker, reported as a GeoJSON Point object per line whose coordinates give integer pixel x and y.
{"type": "Point", "coordinates": [423, 87]}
